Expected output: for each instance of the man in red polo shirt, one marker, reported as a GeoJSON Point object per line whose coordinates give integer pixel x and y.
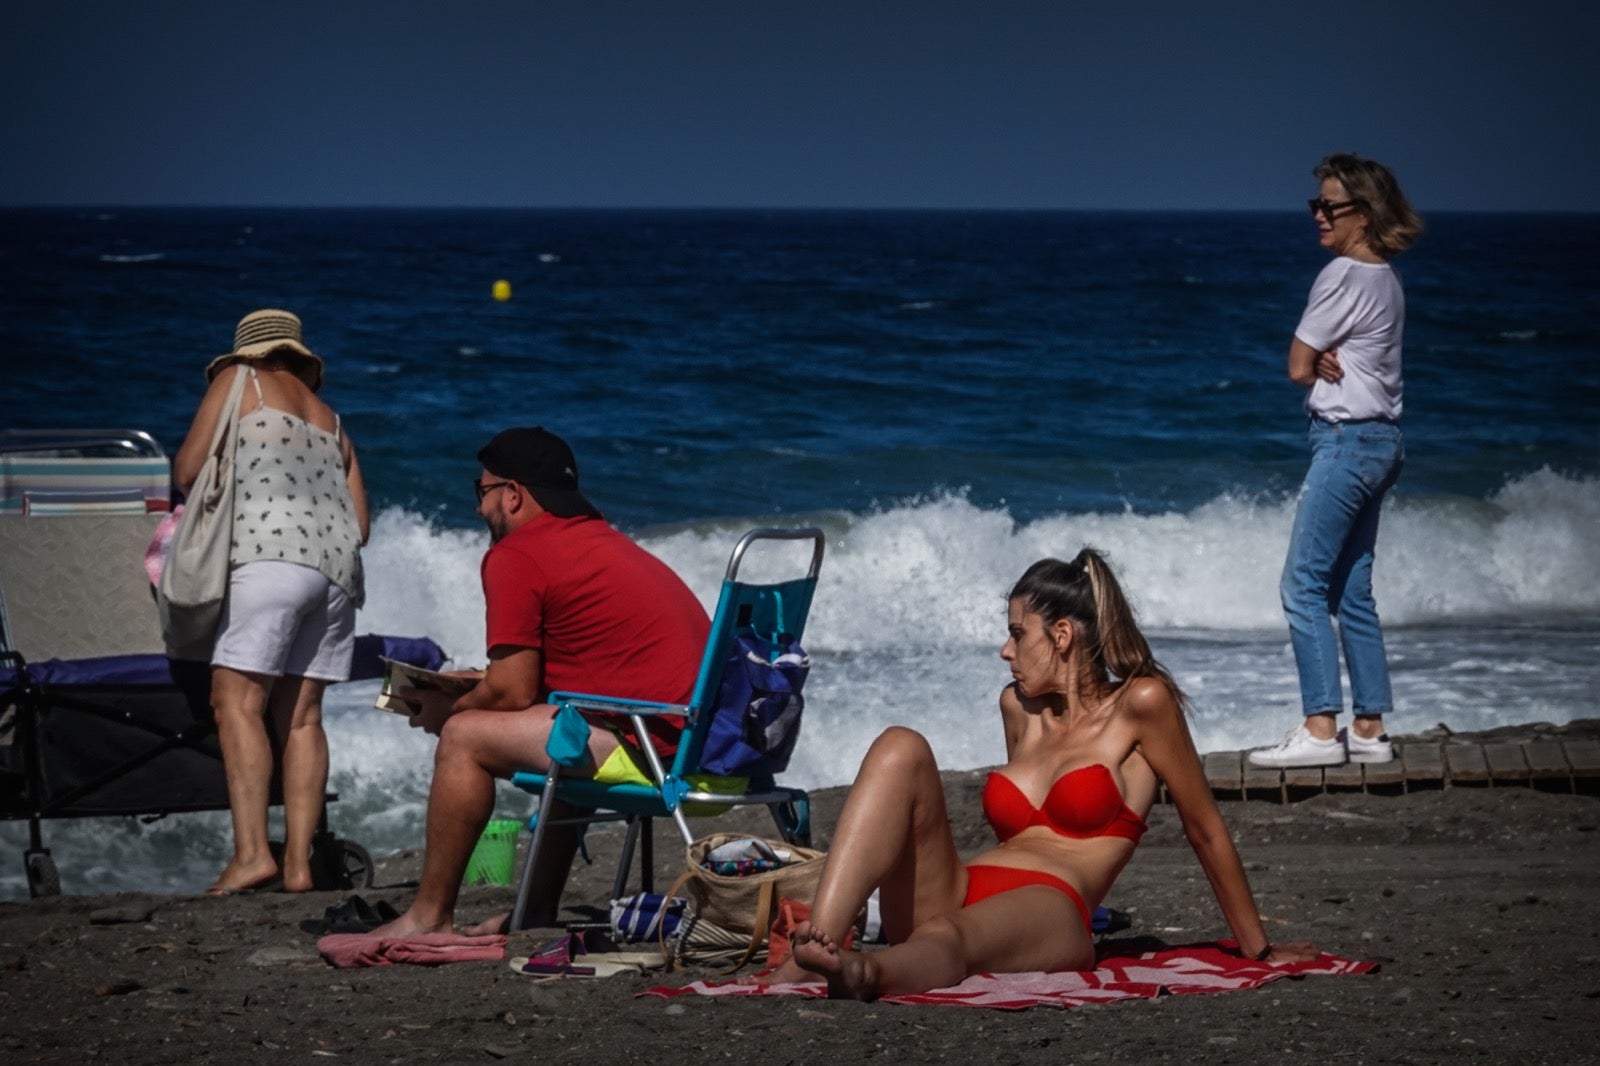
{"type": "Point", "coordinates": [573, 606]}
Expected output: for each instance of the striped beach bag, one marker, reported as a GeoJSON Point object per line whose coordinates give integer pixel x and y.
{"type": "Point", "coordinates": [734, 884]}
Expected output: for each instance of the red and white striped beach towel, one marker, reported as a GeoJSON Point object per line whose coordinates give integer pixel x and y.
{"type": "Point", "coordinates": [1130, 969]}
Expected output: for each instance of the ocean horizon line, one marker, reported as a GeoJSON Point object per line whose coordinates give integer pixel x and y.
{"type": "Point", "coordinates": [756, 209]}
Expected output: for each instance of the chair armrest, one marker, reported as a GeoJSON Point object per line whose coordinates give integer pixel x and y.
{"type": "Point", "coordinates": [613, 714]}
{"type": "Point", "coordinates": [611, 705]}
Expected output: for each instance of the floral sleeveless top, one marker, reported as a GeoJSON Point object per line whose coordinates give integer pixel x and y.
{"type": "Point", "coordinates": [292, 502]}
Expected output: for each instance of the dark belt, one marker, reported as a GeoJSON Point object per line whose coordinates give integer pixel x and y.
{"type": "Point", "coordinates": [1357, 421]}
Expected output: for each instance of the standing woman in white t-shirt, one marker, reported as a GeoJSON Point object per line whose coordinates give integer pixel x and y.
{"type": "Point", "coordinates": [1346, 350]}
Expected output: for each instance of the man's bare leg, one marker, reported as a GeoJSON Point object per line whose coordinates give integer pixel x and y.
{"type": "Point", "coordinates": [460, 801]}
{"type": "Point", "coordinates": [475, 747]}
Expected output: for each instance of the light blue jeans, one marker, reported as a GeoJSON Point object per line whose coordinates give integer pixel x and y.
{"type": "Point", "coordinates": [1329, 569]}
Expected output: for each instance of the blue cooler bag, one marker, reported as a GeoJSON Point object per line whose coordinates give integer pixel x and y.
{"type": "Point", "coordinates": [757, 719]}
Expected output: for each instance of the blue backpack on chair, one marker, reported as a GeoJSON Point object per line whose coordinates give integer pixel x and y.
{"type": "Point", "coordinates": [757, 719]}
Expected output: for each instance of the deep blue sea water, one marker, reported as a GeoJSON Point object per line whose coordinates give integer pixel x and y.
{"type": "Point", "coordinates": [951, 395]}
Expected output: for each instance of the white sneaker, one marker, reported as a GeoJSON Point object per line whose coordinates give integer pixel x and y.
{"type": "Point", "coordinates": [1361, 749]}
{"type": "Point", "coordinates": [1300, 748]}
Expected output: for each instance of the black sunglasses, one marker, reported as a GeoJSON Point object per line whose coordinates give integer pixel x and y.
{"type": "Point", "coordinates": [1330, 210]}
{"type": "Point", "coordinates": [483, 490]}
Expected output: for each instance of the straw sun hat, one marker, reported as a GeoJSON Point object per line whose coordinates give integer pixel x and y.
{"type": "Point", "coordinates": [272, 332]}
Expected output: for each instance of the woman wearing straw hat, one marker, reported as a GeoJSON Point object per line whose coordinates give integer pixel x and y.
{"type": "Point", "coordinates": [295, 581]}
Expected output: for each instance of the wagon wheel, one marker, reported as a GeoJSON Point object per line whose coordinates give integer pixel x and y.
{"type": "Point", "coordinates": [355, 864]}
{"type": "Point", "coordinates": [339, 864]}
{"type": "Point", "coordinates": [43, 877]}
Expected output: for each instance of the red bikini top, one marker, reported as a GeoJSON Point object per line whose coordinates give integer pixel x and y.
{"type": "Point", "coordinates": [1083, 803]}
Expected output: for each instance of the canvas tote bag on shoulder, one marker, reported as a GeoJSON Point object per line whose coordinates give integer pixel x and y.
{"type": "Point", "coordinates": [195, 579]}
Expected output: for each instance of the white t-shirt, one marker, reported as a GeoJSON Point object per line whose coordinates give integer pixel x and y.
{"type": "Point", "coordinates": [1359, 309]}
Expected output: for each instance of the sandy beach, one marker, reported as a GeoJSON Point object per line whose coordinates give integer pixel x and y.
{"type": "Point", "coordinates": [1480, 905]}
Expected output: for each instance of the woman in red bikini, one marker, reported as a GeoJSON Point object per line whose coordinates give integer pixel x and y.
{"type": "Point", "coordinates": [1092, 723]}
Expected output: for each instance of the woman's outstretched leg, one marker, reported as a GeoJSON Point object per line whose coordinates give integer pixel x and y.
{"type": "Point", "coordinates": [894, 836]}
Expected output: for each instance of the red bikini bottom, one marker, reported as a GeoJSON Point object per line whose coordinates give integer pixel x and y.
{"type": "Point", "coordinates": [986, 881]}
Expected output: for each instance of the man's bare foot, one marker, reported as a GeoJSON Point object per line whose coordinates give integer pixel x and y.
{"type": "Point", "coordinates": [500, 923]}
{"type": "Point", "coordinates": [408, 924]}
{"type": "Point", "coordinates": [847, 972]}
{"type": "Point", "coordinates": [237, 877]}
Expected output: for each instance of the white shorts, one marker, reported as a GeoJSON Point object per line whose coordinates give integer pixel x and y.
{"type": "Point", "coordinates": [285, 619]}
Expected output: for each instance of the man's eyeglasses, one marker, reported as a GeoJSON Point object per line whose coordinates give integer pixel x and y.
{"type": "Point", "coordinates": [1330, 210]}
{"type": "Point", "coordinates": [483, 489]}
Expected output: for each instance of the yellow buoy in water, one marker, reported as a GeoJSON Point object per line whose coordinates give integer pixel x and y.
{"type": "Point", "coordinates": [502, 290]}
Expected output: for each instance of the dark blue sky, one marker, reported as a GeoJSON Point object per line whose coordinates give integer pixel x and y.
{"type": "Point", "coordinates": [868, 103]}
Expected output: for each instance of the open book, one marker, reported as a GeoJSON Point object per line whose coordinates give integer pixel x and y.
{"type": "Point", "coordinates": [399, 675]}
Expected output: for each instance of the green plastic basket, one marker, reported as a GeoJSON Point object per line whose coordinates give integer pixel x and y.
{"type": "Point", "coordinates": [494, 856]}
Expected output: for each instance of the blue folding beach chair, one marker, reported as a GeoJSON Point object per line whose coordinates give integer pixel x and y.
{"type": "Point", "coordinates": [766, 611]}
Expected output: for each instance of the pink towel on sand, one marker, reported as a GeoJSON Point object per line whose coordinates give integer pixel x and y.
{"type": "Point", "coordinates": [349, 950]}
{"type": "Point", "coordinates": [1123, 971]}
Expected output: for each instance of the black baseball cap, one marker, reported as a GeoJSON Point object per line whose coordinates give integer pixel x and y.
{"type": "Point", "coordinates": [542, 463]}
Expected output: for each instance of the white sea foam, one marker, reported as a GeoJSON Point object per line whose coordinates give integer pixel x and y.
{"type": "Point", "coordinates": [1493, 609]}
{"type": "Point", "coordinates": [909, 611]}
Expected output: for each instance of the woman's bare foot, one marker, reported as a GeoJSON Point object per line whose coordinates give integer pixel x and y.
{"type": "Point", "coordinates": [847, 972]}
{"type": "Point", "coordinates": [787, 972]}
{"type": "Point", "coordinates": [237, 877]}
{"type": "Point", "coordinates": [1293, 951]}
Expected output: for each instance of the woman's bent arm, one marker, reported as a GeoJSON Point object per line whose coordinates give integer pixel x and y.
{"type": "Point", "coordinates": [1166, 745]}
{"type": "Point", "coordinates": [1302, 363]}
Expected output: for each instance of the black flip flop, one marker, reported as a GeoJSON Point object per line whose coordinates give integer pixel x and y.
{"type": "Point", "coordinates": [353, 915]}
